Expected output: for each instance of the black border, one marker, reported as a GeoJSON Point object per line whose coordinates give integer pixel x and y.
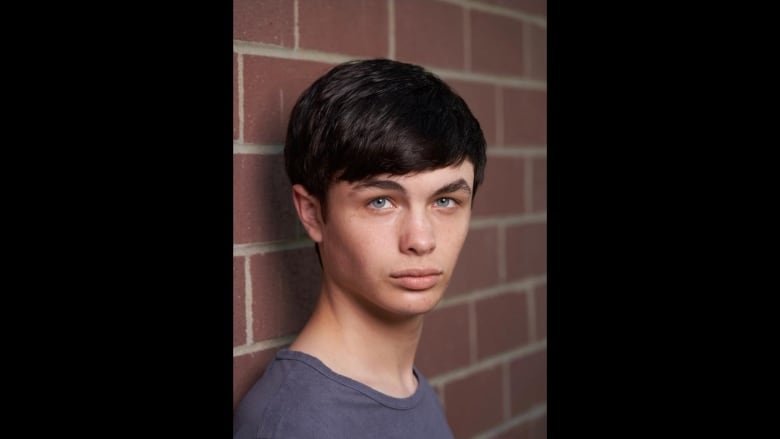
{"type": "Point", "coordinates": [133, 206]}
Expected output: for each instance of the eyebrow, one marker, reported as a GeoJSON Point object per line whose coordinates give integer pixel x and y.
{"type": "Point", "coordinates": [455, 186]}
{"type": "Point", "coordinates": [380, 184]}
{"type": "Point", "coordinates": [458, 185]}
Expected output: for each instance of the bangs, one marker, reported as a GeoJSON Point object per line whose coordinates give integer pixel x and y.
{"type": "Point", "coordinates": [397, 154]}
{"type": "Point", "coordinates": [397, 141]}
{"type": "Point", "coordinates": [373, 117]}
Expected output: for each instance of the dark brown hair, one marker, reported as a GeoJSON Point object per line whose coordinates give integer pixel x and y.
{"type": "Point", "coordinates": [378, 116]}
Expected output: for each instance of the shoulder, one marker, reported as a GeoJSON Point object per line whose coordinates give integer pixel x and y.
{"type": "Point", "coordinates": [288, 401]}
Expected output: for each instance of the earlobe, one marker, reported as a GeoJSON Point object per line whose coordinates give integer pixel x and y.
{"type": "Point", "coordinates": [308, 208]}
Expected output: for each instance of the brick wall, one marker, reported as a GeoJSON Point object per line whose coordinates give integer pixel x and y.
{"type": "Point", "coordinates": [484, 349]}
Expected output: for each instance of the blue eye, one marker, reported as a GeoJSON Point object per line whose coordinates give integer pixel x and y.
{"type": "Point", "coordinates": [379, 203]}
{"type": "Point", "coordinates": [444, 202]}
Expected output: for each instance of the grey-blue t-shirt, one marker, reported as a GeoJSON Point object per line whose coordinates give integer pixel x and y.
{"type": "Point", "coordinates": [299, 397]}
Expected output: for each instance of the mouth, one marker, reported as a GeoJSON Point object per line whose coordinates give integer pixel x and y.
{"type": "Point", "coordinates": [417, 279]}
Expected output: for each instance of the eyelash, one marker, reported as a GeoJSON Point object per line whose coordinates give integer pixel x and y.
{"type": "Point", "coordinates": [452, 202]}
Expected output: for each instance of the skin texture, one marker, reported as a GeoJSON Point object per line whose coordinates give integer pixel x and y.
{"type": "Point", "coordinates": [389, 247]}
{"type": "Point", "coordinates": [391, 243]}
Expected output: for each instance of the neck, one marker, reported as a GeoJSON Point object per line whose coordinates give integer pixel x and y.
{"type": "Point", "coordinates": [355, 341]}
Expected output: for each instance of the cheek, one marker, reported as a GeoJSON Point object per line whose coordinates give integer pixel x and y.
{"type": "Point", "coordinates": [356, 245]}
{"type": "Point", "coordinates": [454, 236]}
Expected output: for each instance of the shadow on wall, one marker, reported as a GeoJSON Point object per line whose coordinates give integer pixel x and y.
{"type": "Point", "coordinates": [285, 282]}
{"type": "Point", "coordinates": [285, 287]}
{"type": "Point", "coordinates": [284, 277]}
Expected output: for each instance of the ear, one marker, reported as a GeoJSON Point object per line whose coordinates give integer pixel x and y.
{"type": "Point", "coordinates": [309, 212]}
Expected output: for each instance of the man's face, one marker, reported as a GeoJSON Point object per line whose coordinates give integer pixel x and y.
{"type": "Point", "coordinates": [390, 243]}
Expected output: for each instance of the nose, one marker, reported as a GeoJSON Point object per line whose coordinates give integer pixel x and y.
{"type": "Point", "coordinates": [417, 235]}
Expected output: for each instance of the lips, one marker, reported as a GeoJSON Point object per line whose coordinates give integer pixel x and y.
{"type": "Point", "coordinates": [417, 279]}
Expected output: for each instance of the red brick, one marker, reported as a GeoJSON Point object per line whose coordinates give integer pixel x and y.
{"type": "Point", "coordinates": [531, 429]}
{"type": "Point", "coordinates": [271, 88]}
{"type": "Point", "coordinates": [502, 324]}
{"type": "Point", "coordinates": [537, 68]}
{"type": "Point", "coordinates": [236, 134]}
{"type": "Point", "coordinates": [496, 44]}
{"type": "Point", "coordinates": [540, 305]}
{"type": "Point", "coordinates": [247, 369]}
{"type": "Point", "coordinates": [477, 264]}
{"type": "Point", "coordinates": [503, 190]}
{"type": "Point", "coordinates": [264, 21]}
{"type": "Point", "coordinates": [528, 382]}
{"type": "Point", "coordinates": [522, 431]}
{"type": "Point", "coordinates": [430, 33]}
{"type": "Point", "coordinates": [539, 189]}
{"type": "Point", "coordinates": [525, 117]}
{"type": "Point", "coordinates": [475, 403]}
{"type": "Point", "coordinates": [526, 251]}
{"type": "Point", "coordinates": [539, 427]}
{"type": "Point", "coordinates": [352, 28]}
{"type": "Point", "coordinates": [444, 344]}
{"type": "Point", "coordinates": [239, 301]}
{"type": "Point", "coordinates": [481, 99]}
{"type": "Point", "coordinates": [533, 7]}
{"type": "Point", "coordinates": [285, 287]}
{"type": "Point", "coordinates": [262, 200]}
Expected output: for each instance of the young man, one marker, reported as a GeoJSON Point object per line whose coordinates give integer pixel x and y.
{"type": "Point", "coordinates": [385, 160]}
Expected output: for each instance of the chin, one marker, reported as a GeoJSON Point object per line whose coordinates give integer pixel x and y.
{"type": "Point", "coordinates": [403, 304]}
{"type": "Point", "coordinates": [420, 302]}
